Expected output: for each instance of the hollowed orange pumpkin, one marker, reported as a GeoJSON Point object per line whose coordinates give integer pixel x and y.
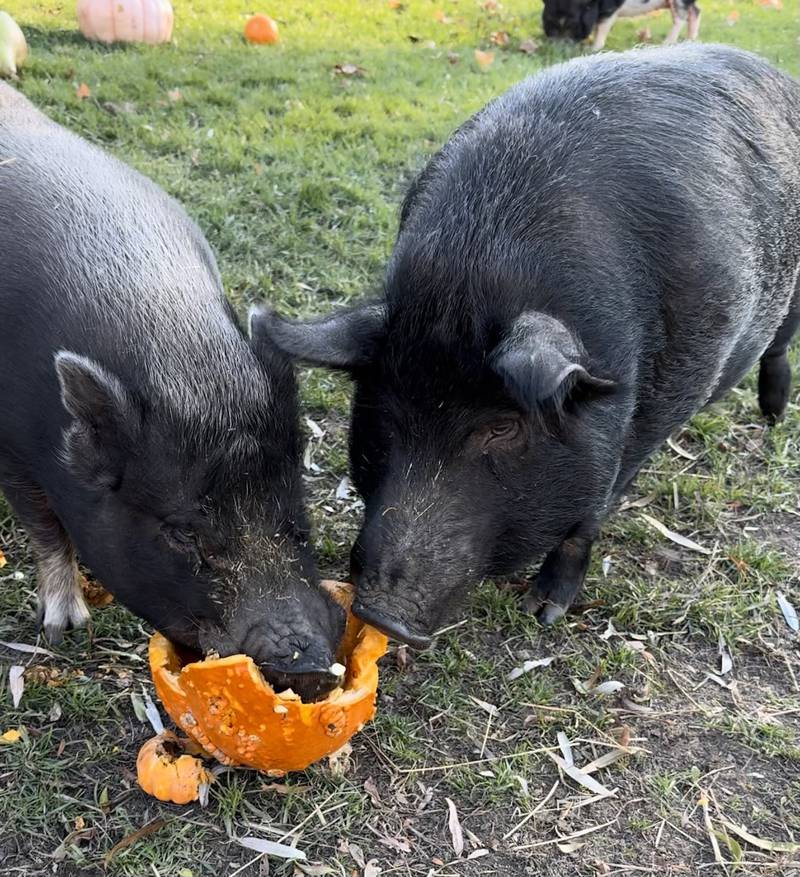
{"type": "Point", "coordinates": [166, 772]}
{"type": "Point", "coordinates": [227, 706]}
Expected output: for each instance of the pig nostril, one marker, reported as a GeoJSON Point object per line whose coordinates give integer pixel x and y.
{"type": "Point", "coordinates": [391, 626]}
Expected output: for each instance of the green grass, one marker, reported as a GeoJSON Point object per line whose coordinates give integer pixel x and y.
{"type": "Point", "coordinates": [295, 174]}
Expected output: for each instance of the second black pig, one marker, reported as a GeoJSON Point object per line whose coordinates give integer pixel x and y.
{"type": "Point", "coordinates": [590, 260]}
{"type": "Point", "coordinates": [140, 429]}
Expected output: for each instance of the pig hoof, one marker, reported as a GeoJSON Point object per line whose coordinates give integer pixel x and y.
{"type": "Point", "coordinates": [63, 611]}
{"type": "Point", "coordinates": [546, 611]}
{"type": "Point", "coordinates": [550, 613]}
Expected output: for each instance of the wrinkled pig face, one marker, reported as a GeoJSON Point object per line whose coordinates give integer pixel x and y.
{"type": "Point", "coordinates": [471, 459]}
{"type": "Point", "coordinates": [201, 530]}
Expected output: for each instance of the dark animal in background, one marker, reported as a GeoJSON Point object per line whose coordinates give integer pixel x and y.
{"type": "Point", "coordinates": [140, 429]}
{"type": "Point", "coordinates": [577, 19]}
{"type": "Point", "coordinates": [557, 304]}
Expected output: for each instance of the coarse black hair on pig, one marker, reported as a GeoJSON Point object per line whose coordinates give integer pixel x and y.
{"type": "Point", "coordinates": [142, 429]}
{"type": "Point", "coordinates": [591, 259]}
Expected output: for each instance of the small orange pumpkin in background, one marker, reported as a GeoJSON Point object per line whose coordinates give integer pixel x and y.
{"type": "Point", "coordinates": [227, 706]}
{"type": "Point", "coordinates": [261, 29]}
{"type": "Point", "coordinates": [166, 772]}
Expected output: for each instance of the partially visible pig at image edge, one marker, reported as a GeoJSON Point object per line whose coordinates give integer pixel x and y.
{"type": "Point", "coordinates": [590, 260]}
{"type": "Point", "coordinates": [140, 429]}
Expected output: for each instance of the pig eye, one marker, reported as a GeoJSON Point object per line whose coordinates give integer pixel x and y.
{"type": "Point", "coordinates": [182, 538]}
{"type": "Point", "coordinates": [502, 432]}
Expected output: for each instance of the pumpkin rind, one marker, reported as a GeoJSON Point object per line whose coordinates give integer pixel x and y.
{"type": "Point", "coordinates": [168, 777]}
{"type": "Point", "coordinates": [226, 705]}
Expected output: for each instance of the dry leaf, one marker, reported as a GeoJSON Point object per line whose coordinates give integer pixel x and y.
{"type": "Point", "coordinates": [83, 91]}
{"type": "Point", "coordinates": [644, 35]}
{"type": "Point", "coordinates": [529, 47]}
{"type": "Point", "coordinates": [486, 707]}
{"type": "Point", "coordinates": [566, 748]}
{"type": "Point", "coordinates": [454, 826]}
{"type": "Point", "coordinates": [314, 870]}
{"type": "Point", "coordinates": [372, 869]}
{"type": "Point", "coordinates": [284, 789]}
{"type": "Point", "coordinates": [582, 778]}
{"type": "Point", "coordinates": [789, 612]}
{"type": "Point", "coordinates": [401, 845]}
{"type": "Point", "coordinates": [733, 17]}
{"type": "Point", "coordinates": [344, 70]}
{"type": "Point", "coordinates": [499, 38]}
{"type": "Point", "coordinates": [675, 537]}
{"type": "Point", "coordinates": [681, 452]}
{"type": "Point", "coordinates": [343, 488]}
{"type": "Point", "coordinates": [150, 828]}
{"type": "Point", "coordinates": [3, 560]}
{"type": "Point", "coordinates": [608, 687]}
{"type": "Point", "coordinates": [484, 60]}
{"type": "Point", "coordinates": [152, 714]}
{"type": "Point", "coordinates": [16, 683]}
{"type": "Point", "coordinates": [571, 846]}
{"type": "Point", "coordinates": [271, 848]}
{"type": "Point", "coordinates": [490, 5]}
{"type": "Point", "coordinates": [395, 4]}
{"type": "Point", "coordinates": [371, 788]}
{"type": "Point", "coordinates": [725, 660]}
{"type": "Point", "coordinates": [530, 665]}
{"type": "Point", "coordinates": [175, 95]}
{"type": "Point", "coordinates": [11, 735]}
{"type": "Point", "coordinates": [440, 16]}
{"type": "Point", "coordinates": [770, 845]}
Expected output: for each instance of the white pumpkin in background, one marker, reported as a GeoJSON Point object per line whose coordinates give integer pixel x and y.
{"type": "Point", "coordinates": [126, 21]}
{"type": "Point", "coordinates": [13, 48]}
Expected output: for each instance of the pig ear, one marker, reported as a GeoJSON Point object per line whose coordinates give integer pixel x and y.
{"type": "Point", "coordinates": [347, 339]}
{"type": "Point", "coordinates": [540, 362]}
{"type": "Point", "coordinates": [106, 418]}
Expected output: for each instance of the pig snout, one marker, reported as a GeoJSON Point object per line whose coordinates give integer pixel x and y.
{"type": "Point", "coordinates": [391, 596]}
{"type": "Point", "coordinates": [293, 640]}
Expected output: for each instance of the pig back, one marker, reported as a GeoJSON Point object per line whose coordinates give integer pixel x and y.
{"type": "Point", "coordinates": [96, 259]}
{"type": "Point", "coordinates": [650, 199]}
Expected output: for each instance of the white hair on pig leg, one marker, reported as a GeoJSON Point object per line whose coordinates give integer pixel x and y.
{"type": "Point", "coordinates": [60, 598]}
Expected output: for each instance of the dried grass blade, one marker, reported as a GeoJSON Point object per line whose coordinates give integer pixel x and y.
{"type": "Point", "coordinates": [683, 541]}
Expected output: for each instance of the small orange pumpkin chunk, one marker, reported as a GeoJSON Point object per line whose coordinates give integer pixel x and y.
{"type": "Point", "coordinates": [227, 706]}
{"type": "Point", "coordinates": [165, 771]}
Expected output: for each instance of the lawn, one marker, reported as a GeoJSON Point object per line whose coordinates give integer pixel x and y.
{"type": "Point", "coordinates": [294, 169]}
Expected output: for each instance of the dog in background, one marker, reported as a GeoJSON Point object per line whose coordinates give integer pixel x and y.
{"type": "Point", "coordinates": [578, 18]}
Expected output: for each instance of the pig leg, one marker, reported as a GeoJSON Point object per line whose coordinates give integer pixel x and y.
{"type": "Point", "coordinates": [560, 577]}
{"type": "Point", "coordinates": [775, 374]}
{"type": "Point", "coordinates": [601, 33]}
{"type": "Point", "coordinates": [693, 14]}
{"type": "Point", "coordinates": [60, 598]}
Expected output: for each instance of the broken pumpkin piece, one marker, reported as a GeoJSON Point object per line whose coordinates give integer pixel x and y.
{"type": "Point", "coordinates": [94, 593]}
{"type": "Point", "coordinates": [227, 706]}
{"type": "Point", "coordinates": [165, 770]}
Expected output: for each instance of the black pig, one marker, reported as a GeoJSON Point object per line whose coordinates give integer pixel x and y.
{"type": "Point", "coordinates": [589, 260]}
{"type": "Point", "coordinates": [140, 429]}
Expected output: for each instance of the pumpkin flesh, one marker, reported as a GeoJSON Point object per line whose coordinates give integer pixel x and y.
{"type": "Point", "coordinates": [227, 706]}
